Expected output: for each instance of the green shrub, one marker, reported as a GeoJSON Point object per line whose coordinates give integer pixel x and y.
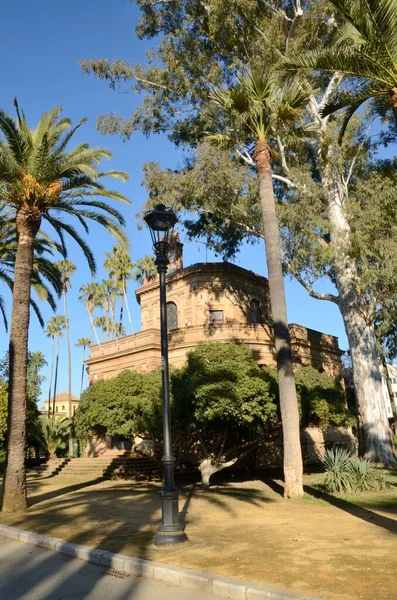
{"type": "Point", "coordinates": [344, 473]}
{"type": "Point", "coordinates": [322, 400]}
{"type": "Point", "coordinates": [2, 461]}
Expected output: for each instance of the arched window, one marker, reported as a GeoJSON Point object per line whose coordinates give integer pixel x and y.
{"type": "Point", "coordinates": [172, 316]}
{"type": "Point", "coordinates": [254, 313]}
{"type": "Point", "coordinates": [63, 409]}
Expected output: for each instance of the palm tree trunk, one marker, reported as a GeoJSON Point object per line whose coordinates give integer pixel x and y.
{"type": "Point", "coordinates": [65, 305]}
{"type": "Point", "coordinates": [293, 468]}
{"type": "Point", "coordinates": [51, 374]}
{"type": "Point", "coordinates": [55, 378]}
{"type": "Point", "coordinates": [82, 372]}
{"type": "Point", "coordinates": [14, 490]}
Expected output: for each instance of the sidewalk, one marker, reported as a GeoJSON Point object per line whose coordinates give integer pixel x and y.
{"type": "Point", "coordinates": [32, 573]}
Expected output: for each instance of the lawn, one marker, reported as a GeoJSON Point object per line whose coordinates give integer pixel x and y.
{"type": "Point", "coordinates": [333, 546]}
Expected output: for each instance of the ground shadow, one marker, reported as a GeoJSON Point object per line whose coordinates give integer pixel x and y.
{"type": "Point", "coordinates": [353, 509]}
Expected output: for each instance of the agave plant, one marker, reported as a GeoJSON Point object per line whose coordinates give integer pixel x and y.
{"type": "Point", "coordinates": [338, 474]}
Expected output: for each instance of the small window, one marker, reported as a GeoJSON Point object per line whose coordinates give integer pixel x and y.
{"type": "Point", "coordinates": [74, 409]}
{"type": "Point", "coordinates": [57, 408]}
{"type": "Point", "coordinates": [254, 314]}
{"type": "Point", "coordinates": [216, 317]}
{"type": "Point", "coordinates": [63, 409]}
{"type": "Point", "coordinates": [395, 394]}
{"type": "Point", "coordinates": [172, 316]}
{"type": "Point", "coordinates": [394, 379]}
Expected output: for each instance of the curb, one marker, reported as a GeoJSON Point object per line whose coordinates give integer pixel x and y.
{"type": "Point", "coordinates": [235, 589]}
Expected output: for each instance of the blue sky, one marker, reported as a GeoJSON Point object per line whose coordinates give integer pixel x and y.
{"type": "Point", "coordinates": [40, 54]}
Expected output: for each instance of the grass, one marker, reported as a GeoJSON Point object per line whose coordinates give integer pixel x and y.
{"type": "Point", "coordinates": [336, 546]}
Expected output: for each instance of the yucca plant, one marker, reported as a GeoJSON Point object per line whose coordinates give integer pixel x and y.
{"type": "Point", "coordinates": [338, 473]}
{"type": "Point", "coordinates": [365, 476]}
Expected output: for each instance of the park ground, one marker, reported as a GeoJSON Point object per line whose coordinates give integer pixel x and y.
{"type": "Point", "coordinates": [341, 547]}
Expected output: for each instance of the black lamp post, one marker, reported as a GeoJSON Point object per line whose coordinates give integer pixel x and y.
{"type": "Point", "coordinates": [161, 221]}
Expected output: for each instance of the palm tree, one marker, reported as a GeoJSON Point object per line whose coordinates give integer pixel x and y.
{"type": "Point", "coordinates": [255, 109]}
{"type": "Point", "coordinates": [109, 305]}
{"type": "Point", "coordinates": [91, 294]}
{"type": "Point", "coordinates": [67, 268]}
{"type": "Point", "coordinates": [55, 328]}
{"type": "Point", "coordinates": [54, 434]}
{"type": "Point", "coordinates": [144, 269]}
{"type": "Point", "coordinates": [40, 180]}
{"type": "Point", "coordinates": [102, 323]}
{"type": "Point", "coordinates": [43, 267]}
{"type": "Point", "coordinates": [83, 343]}
{"type": "Point", "coordinates": [364, 49]}
{"type": "Point", "coordinates": [119, 265]}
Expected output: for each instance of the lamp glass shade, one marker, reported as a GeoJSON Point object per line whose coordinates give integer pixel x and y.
{"type": "Point", "coordinates": [161, 221]}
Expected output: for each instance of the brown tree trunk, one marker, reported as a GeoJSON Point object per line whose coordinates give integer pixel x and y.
{"type": "Point", "coordinates": [14, 491]}
{"type": "Point", "coordinates": [69, 367]}
{"type": "Point", "coordinates": [393, 101]}
{"type": "Point", "coordinates": [293, 468]}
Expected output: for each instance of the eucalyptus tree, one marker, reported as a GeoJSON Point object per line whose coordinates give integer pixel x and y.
{"type": "Point", "coordinates": [41, 179]}
{"type": "Point", "coordinates": [82, 343]}
{"type": "Point", "coordinates": [119, 266]}
{"type": "Point", "coordinates": [144, 269]}
{"type": "Point", "coordinates": [67, 268]}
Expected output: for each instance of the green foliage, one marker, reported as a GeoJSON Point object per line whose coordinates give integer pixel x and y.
{"type": "Point", "coordinates": [54, 433]}
{"type": "Point", "coordinates": [346, 474]}
{"type": "Point", "coordinates": [126, 405]}
{"type": "Point", "coordinates": [36, 362]}
{"type": "Point", "coordinates": [338, 475]}
{"type": "Point", "coordinates": [222, 391]}
{"type": "Point", "coordinates": [322, 400]}
{"type": "Point", "coordinates": [2, 461]}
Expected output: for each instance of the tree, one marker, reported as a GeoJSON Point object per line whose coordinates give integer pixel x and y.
{"type": "Point", "coordinates": [54, 434]}
{"type": "Point", "coordinates": [259, 109]}
{"type": "Point", "coordinates": [110, 299]}
{"type": "Point", "coordinates": [127, 405]}
{"type": "Point", "coordinates": [223, 400]}
{"type": "Point", "coordinates": [55, 327]}
{"type": "Point", "coordinates": [102, 323]}
{"type": "Point", "coordinates": [36, 362]}
{"type": "Point", "coordinates": [91, 294]}
{"type": "Point", "coordinates": [364, 50]}
{"type": "Point", "coordinates": [45, 273]}
{"type": "Point", "coordinates": [67, 268]}
{"type": "Point", "coordinates": [119, 265]}
{"type": "Point", "coordinates": [41, 179]}
{"type": "Point", "coordinates": [144, 269]}
{"type": "Point", "coordinates": [83, 343]}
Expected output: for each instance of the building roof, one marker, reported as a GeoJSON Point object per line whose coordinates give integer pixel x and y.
{"type": "Point", "coordinates": [63, 397]}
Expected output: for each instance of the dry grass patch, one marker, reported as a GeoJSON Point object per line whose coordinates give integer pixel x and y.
{"type": "Point", "coordinates": [337, 547]}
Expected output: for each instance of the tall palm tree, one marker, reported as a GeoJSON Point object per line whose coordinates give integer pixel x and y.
{"type": "Point", "coordinates": [109, 305]}
{"type": "Point", "coordinates": [57, 324]}
{"type": "Point", "coordinates": [67, 268]}
{"type": "Point", "coordinates": [144, 269]}
{"type": "Point", "coordinates": [364, 49]}
{"type": "Point", "coordinates": [91, 294]}
{"type": "Point", "coordinates": [252, 112]}
{"type": "Point", "coordinates": [119, 265]}
{"type": "Point", "coordinates": [45, 273]}
{"type": "Point", "coordinates": [82, 343]}
{"type": "Point", "coordinates": [102, 323]}
{"type": "Point", "coordinates": [40, 179]}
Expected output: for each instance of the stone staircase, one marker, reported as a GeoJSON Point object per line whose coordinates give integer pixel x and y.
{"type": "Point", "coordinates": [50, 468]}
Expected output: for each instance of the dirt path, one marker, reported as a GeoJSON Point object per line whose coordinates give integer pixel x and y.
{"type": "Point", "coordinates": [326, 547]}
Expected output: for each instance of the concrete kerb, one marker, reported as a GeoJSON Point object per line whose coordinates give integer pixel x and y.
{"type": "Point", "coordinates": [234, 589]}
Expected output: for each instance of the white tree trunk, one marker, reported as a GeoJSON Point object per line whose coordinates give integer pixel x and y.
{"type": "Point", "coordinates": [376, 442]}
{"type": "Point", "coordinates": [209, 466]}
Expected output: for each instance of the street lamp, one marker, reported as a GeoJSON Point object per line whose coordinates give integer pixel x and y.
{"type": "Point", "coordinates": [161, 221]}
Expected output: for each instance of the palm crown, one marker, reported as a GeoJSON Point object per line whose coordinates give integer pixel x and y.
{"type": "Point", "coordinates": [39, 175]}
{"type": "Point", "coordinates": [364, 48]}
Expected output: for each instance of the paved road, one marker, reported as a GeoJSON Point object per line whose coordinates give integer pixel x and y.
{"type": "Point", "coordinates": [32, 573]}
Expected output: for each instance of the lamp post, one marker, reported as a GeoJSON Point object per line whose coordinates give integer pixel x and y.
{"type": "Point", "coordinates": [161, 221]}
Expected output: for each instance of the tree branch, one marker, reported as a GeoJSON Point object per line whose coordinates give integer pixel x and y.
{"type": "Point", "coordinates": [281, 149]}
{"type": "Point", "coordinates": [203, 444]}
{"type": "Point", "coordinates": [246, 157]}
{"type": "Point", "coordinates": [296, 19]}
{"type": "Point", "coordinates": [350, 172]}
{"type": "Point", "coordinates": [314, 294]}
{"type": "Point", "coordinates": [283, 179]}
